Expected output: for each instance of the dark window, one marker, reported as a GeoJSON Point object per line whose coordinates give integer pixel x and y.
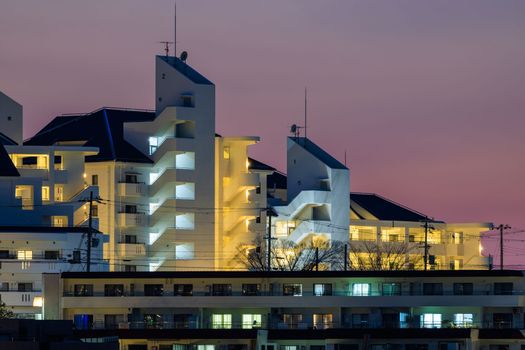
{"type": "Point", "coordinates": [346, 347]}
{"type": "Point", "coordinates": [153, 290]}
{"type": "Point", "coordinates": [432, 288]}
{"type": "Point", "coordinates": [185, 290]}
{"type": "Point", "coordinates": [292, 289]}
{"type": "Point", "coordinates": [317, 347]}
{"type": "Point", "coordinates": [58, 159]}
{"type": "Point", "coordinates": [360, 320]}
{"type": "Point", "coordinates": [76, 257]}
{"type": "Point", "coordinates": [131, 178]}
{"type": "Point", "coordinates": [29, 161]}
{"type": "Point", "coordinates": [391, 320]}
{"type": "Point", "coordinates": [94, 180]}
{"type": "Point", "coordinates": [463, 288]}
{"type": "Point", "coordinates": [51, 254]}
{"type": "Point", "coordinates": [322, 289]}
{"type": "Point", "coordinates": [503, 288]}
{"type": "Point", "coordinates": [130, 268]}
{"type": "Point", "coordinates": [130, 239]}
{"type": "Point", "coordinates": [4, 254]}
{"type": "Point", "coordinates": [222, 289]}
{"type": "Point", "coordinates": [130, 209]}
{"type": "Point", "coordinates": [391, 288]}
{"type": "Point", "coordinates": [113, 290]}
{"type": "Point", "coordinates": [251, 289]}
{"type": "Point", "coordinates": [502, 320]}
{"type": "Point", "coordinates": [83, 290]}
{"type": "Point", "coordinates": [186, 101]}
{"type": "Point", "coordinates": [111, 321]}
{"type": "Point", "coordinates": [25, 287]}
{"type": "Point", "coordinates": [4, 286]}
{"type": "Point", "coordinates": [183, 321]}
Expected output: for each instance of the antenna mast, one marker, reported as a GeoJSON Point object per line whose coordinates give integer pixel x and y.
{"type": "Point", "coordinates": [175, 32]}
{"type": "Point", "coordinates": [305, 112]}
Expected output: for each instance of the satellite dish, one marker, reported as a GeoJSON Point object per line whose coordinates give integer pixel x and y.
{"type": "Point", "coordinates": [184, 56]}
{"type": "Point", "coordinates": [293, 129]}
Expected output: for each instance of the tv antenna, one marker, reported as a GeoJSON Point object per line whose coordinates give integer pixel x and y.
{"type": "Point", "coordinates": [184, 56]}
{"type": "Point", "coordinates": [175, 31]}
{"type": "Point", "coordinates": [305, 110]}
{"type": "Point", "coordinates": [166, 46]}
{"type": "Point", "coordinates": [296, 130]}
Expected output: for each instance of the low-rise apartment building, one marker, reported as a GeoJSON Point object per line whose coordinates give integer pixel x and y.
{"type": "Point", "coordinates": [329, 309]}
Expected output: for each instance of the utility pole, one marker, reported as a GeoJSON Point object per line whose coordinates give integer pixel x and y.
{"type": "Point", "coordinates": [90, 232]}
{"type": "Point", "coordinates": [346, 258]}
{"type": "Point", "coordinates": [316, 258]}
{"type": "Point", "coordinates": [269, 256]}
{"type": "Point", "coordinates": [501, 227]}
{"type": "Point", "coordinates": [427, 229]}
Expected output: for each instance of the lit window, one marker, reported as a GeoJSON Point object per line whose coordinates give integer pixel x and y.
{"type": "Point", "coordinates": [321, 289]}
{"type": "Point", "coordinates": [361, 289]}
{"type": "Point", "coordinates": [223, 321]}
{"type": "Point", "coordinates": [226, 152]}
{"type": "Point", "coordinates": [322, 321]}
{"type": "Point", "coordinates": [25, 194]}
{"type": "Point", "coordinates": [204, 347]}
{"type": "Point", "coordinates": [45, 193]}
{"type": "Point", "coordinates": [59, 221]}
{"type": "Point", "coordinates": [59, 193]}
{"type": "Point", "coordinates": [431, 321]}
{"type": "Point", "coordinates": [250, 321]}
{"type": "Point", "coordinates": [24, 255]}
{"type": "Point", "coordinates": [463, 320]}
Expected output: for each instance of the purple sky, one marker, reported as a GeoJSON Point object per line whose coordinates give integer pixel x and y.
{"type": "Point", "coordinates": [426, 97]}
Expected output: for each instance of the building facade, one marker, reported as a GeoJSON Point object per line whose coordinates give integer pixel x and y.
{"type": "Point", "coordinates": [292, 310]}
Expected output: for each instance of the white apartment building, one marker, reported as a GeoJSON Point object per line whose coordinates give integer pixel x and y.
{"type": "Point", "coordinates": [179, 196]}
{"type": "Point", "coordinates": [325, 310]}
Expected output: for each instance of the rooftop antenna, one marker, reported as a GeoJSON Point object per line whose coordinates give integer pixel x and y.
{"type": "Point", "coordinates": [345, 157]}
{"type": "Point", "coordinates": [305, 111]}
{"type": "Point", "coordinates": [175, 32]}
{"type": "Point", "coordinates": [166, 46]}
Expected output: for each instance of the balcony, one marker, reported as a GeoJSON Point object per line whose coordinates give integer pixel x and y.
{"type": "Point", "coordinates": [137, 219]}
{"type": "Point", "coordinates": [132, 189]}
{"type": "Point", "coordinates": [249, 179]}
{"type": "Point", "coordinates": [19, 298]}
{"type": "Point", "coordinates": [131, 250]}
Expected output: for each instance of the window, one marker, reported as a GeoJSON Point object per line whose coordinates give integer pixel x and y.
{"type": "Point", "coordinates": [293, 289]}
{"type": "Point", "coordinates": [360, 320]}
{"type": "Point", "coordinates": [463, 320]}
{"type": "Point", "coordinates": [221, 321]}
{"type": "Point", "coordinates": [391, 288]}
{"type": "Point", "coordinates": [502, 320]}
{"type": "Point", "coordinates": [153, 144]}
{"type": "Point", "coordinates": [59, 193]}
{"type": "Point", "coordinates": [130, 268]}
{"type": "Point", "coordinates": [205, 347]}
{"type": "Point", "coordinates": [293, 320]}
{"type": "Point", "coordinates": [94, 211]}
{"type": "Point", "coordinates": [94, 180]}
{"type": "Point", "coordinates": [130, 239]}
{"type": "Point", "coordinates": [4, 254]}
{"type": "Point", "coordinates": [250, 321]}
{"type": "Point", "coordinates": [322, 289]}
{"type": "Point", "coordinates": [59, 221]}
{"type": "Point", "coordinates": [153, 290]}
{"type": "Point", "coordinates": [503, 288]}
{"type": "Point", "coordinates": [113, 290]}
{"type": "Point", "coordinates": [251, 289]}
{"type": "Point", "coordinates": [130, 209]}
{"type": "Point", "coordinates": [185, 290]}
{"type": "Point", "coordinates": [185, 190]}
{"type": "Point", "coordinates": [45, 193]}
{"type": "Point", "coordinates": [131, 179]}
{"type": "Point", "coordinates": [58, 163]}
{"type": "Point", "coordinates": [432, 288]}
{"type": "Point", "coordinates": [361, 289]}
{"type": "Point", "coordinates": [322, 321]}
{"type": "Point", "coordinates": [463, 288]}
{"type": "Point", "coordinates": [431, 321]}
{"type": "Point", "coordinates": [111, 321]}
{"type": "Point", "coordinates": [187, 100]}
{"type": "Point", "coordinates": [83, 321]}
{"type": "Point", "coordinates": [226, 152]}
{"type": "Point", "coordinates": [51, 254]}
{"type": "Point", "coordinates": [183, 321]}
{"type": "Point", "coordinates": [24, 255]}
{"type": "Point", "coordinates": [25, 287]}
{"type": "Point", "coordinates": [25, 194]}
{"type": "Point", "coordinates": [222, 289]}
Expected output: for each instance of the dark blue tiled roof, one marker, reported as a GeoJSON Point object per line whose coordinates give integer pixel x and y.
{"type": "Point", "coordinates": [318, 152]}
{"type": "Point", "coordinates": [385, 209]}
{"type": "Point", "coordinates": [6, 140]}
{"type": "Point", "coordinates": [186, 70]}
{"type": "Point", "coordinates": [102, 128]}
{"type": "Point", "coordinates": [7, 168]}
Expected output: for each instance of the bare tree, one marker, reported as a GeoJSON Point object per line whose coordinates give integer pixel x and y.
{"type": "Point", "coordinates": [289, 256]}
{"type": "Point", "coordinates": [372, 255]}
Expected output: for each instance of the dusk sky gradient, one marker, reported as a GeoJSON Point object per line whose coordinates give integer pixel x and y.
{"type": "Point", "coordinates": [426, 97]}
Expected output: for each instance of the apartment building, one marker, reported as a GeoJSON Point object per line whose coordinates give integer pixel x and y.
{"type": "Point", "coordinates": [179, 195]}
{"type": "Point", "coordinates": [294, 310]}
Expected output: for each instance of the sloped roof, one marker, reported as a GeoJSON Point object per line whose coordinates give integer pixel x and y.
{"type": "Point", "coordinates": [6, 140]}
{"type": "Point", "coordinates": [365, 205]}
{"type": "Point", "coordinates": [186, 70]}
{"type": "Point", "coordinates": [257, 165]}
{"type": "Point", "coordinates": [318, 152]}
{"type": "Point", "coordinates": [102, 128]}
{"type": "Point", "coordinates": [7, 168]}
